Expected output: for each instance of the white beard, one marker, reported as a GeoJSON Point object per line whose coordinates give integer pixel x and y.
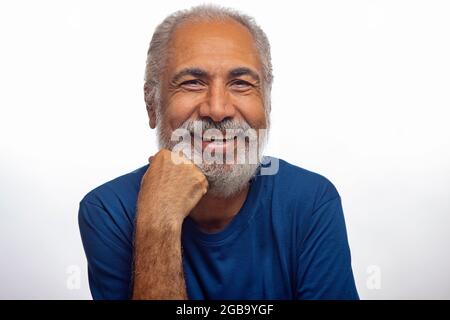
{"type": "Point", "coordinates": [225, 180]}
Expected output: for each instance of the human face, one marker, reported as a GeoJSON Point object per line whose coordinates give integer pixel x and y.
{"type": "Point", "coordinates": [213, 72]}
{"type": "Point", "coordinates": [213, 76]}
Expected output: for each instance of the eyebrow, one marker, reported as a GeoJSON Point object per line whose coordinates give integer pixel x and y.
{"type": "Point", "coordinates": [243, 71]}
{"type": "Point", "coordinates": [195, 72]}
{"type": "Point", "coordinates": [201, 73]}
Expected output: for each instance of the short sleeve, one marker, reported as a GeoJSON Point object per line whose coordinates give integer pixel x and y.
{"type": "Point", "coordinates": [108, 252]}
{"type": "Point", "coordinates": [324, 269]}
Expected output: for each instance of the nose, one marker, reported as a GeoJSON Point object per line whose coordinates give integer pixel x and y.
{"type": "Point", "coordinates": [217, 105]}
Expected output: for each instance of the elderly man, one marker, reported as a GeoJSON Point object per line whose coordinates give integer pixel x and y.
{"type": "Point", "coordinates": [202, 220]}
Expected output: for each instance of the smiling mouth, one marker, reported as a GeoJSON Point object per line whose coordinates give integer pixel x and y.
{"type": "Point", "coordinates": [216, 144]}
{"type": "Point", "coordinates": [214, 139]}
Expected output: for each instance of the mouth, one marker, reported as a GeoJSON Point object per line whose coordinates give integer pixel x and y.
{"type": "Point", "coordinates": [215, 144]}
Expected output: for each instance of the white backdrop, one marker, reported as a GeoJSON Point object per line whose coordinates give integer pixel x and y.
{"type": "Point", "coordinates": [361, 95]}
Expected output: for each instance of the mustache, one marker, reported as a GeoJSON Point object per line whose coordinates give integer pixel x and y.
{"type": "Point", "coordinates": [223, 126]}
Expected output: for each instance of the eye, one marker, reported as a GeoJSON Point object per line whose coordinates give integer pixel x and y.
{"type": "Point", "coordinates": [192, 84]}
{"type": "Point", "coordinates": [241, 85]}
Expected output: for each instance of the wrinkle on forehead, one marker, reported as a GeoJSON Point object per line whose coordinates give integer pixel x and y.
{"type": "Point", "coordinates": [213, 42]}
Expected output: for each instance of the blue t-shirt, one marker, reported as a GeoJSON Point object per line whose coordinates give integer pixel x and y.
{"type": "Point", "coordinates": [288, 241]}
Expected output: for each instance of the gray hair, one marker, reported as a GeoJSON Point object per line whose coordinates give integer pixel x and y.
{"type": "Point", "coordinates": [156, 55]}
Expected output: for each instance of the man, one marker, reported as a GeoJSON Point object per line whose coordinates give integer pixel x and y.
{"type": "Point", "coordinates": [191, 225]}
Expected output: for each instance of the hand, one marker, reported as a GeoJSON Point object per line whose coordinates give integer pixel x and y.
{"type": "Point", "coordinates": [171, 187]}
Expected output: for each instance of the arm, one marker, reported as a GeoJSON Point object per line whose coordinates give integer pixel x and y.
{"type": "Point", "coordinates": [158, 270]}
{"type": "Point", "coordinates": [108, 248]}
{"type": "Point", "coordinates": [168, 193]}
{"type": "Point", "coordinates": [324, 263]}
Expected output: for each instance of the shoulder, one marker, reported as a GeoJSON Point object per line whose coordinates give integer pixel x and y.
{"type": "Point", "coordinates": [113, 202]}
{"type": "Point", "coordinates": [304, 204]}
{"type": "Point", "coordinates": [310, 188]}
{"type": "Point", "coordinates": [124, 188]}
{"type": "Point", "coordinates": [106, 213]}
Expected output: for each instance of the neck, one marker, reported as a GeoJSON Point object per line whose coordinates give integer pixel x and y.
{"type": "Point", "coordinates": [213, 213]}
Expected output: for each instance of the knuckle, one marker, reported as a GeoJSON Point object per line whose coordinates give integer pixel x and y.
{"type": "Point", "coordinates": [165, 153]}
{"type": "Point", "coordinates": [159, 154]}
{"type": "Point", "coordinates": [200, 179]}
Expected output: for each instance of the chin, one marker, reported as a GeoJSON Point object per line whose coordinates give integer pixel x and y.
{"type": "Point", "coordinates": [226, 180]}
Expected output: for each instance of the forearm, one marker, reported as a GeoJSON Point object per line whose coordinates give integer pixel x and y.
{"type": "Point", "coordinates": [169, 191]}
{"type": "Point", "coordinates": [158, 267]}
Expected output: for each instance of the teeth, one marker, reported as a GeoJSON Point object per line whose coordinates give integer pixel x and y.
{"type": "Point", "coordinates": [214, 139]}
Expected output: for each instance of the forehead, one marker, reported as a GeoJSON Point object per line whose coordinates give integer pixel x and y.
{"type": "Point", "coordinates": [212, 45]}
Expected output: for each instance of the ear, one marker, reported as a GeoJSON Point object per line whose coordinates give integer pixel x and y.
{"type": "Point", "coordinates": [150, 104]}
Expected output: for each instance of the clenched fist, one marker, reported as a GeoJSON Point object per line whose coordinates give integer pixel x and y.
{"type": "Point", "coordinates": [171, 187]}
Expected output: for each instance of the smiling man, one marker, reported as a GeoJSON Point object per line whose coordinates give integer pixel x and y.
{"type": "Point", "coordinates": [205, 219]}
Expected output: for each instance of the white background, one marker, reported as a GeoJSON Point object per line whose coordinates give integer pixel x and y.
{"type": "Point", "coordinates": [361, 95]}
